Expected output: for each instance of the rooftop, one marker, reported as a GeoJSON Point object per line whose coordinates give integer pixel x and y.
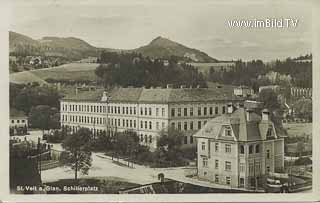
{"type": "Point", "coordinates": [14, 113]}
{"type": "Point", "coordinates": [243, 130]}
{"type": "Point", "coordinates": [164, 95]}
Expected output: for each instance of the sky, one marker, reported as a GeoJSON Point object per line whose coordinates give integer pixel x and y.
{"type": "Point", "coordinates": [127, 24]}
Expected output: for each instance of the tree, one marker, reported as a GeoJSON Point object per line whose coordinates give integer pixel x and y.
{"type": "Point", "coordinates": [39, 117]}
{"type": "Point", "coordinates": [78, 155]}
{"type": "Point", "coordinates": [269, 99]}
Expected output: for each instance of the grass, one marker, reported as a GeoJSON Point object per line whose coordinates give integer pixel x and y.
{"type": "Point", "coordinates": [298, 129]}
{"type": "Point", "coordinates": [72, 71]}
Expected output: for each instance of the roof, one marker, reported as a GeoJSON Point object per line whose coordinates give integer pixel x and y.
{"type": "Point", "coordinates": [14, 113]}
{"type": "Point", "coordinates": [243, 130]}
{"type": "Point", "coordinates": [167, 95]}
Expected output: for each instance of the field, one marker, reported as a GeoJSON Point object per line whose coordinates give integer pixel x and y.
{"type": "Point", "coordinates": [72, 71]}
{"type": "Point", "coordinates": [298, 129]}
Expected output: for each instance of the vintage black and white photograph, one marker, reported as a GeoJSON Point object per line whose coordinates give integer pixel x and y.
{"type": "Point", "coordinates": [160, 97]}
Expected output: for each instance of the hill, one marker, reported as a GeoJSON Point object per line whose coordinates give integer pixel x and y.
{"type": "Point", "coordinates": [69, 47]}
{"type": "Point", "coordinates": [162, 47]}
{"type": "Point", "coordinates": [76, 49]}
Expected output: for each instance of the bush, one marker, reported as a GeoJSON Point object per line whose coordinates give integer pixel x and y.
{"type": "Point", "coordinates": [303, 161]}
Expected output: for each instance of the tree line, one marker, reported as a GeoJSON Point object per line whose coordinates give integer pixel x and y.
{"type": "Point", "coordinates": [133, 69]}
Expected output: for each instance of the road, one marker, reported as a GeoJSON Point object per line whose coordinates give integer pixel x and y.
{"type": "Point", "coordinates": [103, 166]}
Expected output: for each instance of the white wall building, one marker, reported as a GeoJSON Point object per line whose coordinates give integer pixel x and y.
{"type": "Point", "coordinates": [239, 148]}
{"type": "Point", "coordinates": [146, 111]}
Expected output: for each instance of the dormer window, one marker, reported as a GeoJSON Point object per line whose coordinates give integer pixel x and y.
{"type": "Point", "coordinates": [269, 132]}
{"type": "Point", "coordinates": [227, 131]}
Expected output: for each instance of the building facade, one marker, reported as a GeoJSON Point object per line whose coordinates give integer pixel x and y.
{"type": "Point", "coordinates": [239, 149]}
{"type": "Point", "coordinates": [146, 111]}
{"type": "Point", "coordinates": [18, 122]}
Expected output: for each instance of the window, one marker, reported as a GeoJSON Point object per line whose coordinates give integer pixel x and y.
{"type": "Point", "coordinates": [185, 112]}
{"type": "Point", "coordinates": [210, 110]}
{"type": "Point", "coordinates": [191, 111]}
{"type": "Point", "coordinates": [216, 110]}
{"type": "Point", "coordinates": [179, 125]}
{"type": "Point", "coordinates": [12, 121]}
{"type": "Point", "coordinates": [223, 110]}
{"type": "Point", "coordinates": [216, 164]}
{"type": "Point", "coordinates": [146, 138]}
{"type": "Point", "coordinates": [162, 111]}
{"type": "Point", "coordinates": [157, 111]}
{"type": "Point", "coordinates": [185, 126]}
{"type": "Point", "coordinates": [228, 166]}
{"type": "Point", "coordinates": [172, 112]}
{"type": "Point", "coordinates": [150, 125]}
{"type": "Point", "coordinates": [269, 132]}
{"type": "Point", "coordinates": [130, 110]}
{"type": "Point", "coordinates": [216, 178]}
{"type": "Point", "coordinates": [228, 180]}
{"type": "Point", "coordinates": [145, 111]}
{"type": "Point", "coordinates": [179, 112]}
{"type": "Point", "coordinates": [242, 168]}
{"type": "Point", "coordinates": [227, 131]}
{"type": "Point", "coordinates": [185, 139]}
{"type": "Point", "coordinates": [191, 125]}
{"type": "Point", "coordinates": [203, 145]}
{"type": "Point", "coordinates": [146, 124]}
{"type": "Point", "coordinates": [268, 154]}
{"type": "Point", "coordinates": [150, 139]}
{"type": "Point", "coordinates": [241, 182]}
{"type": "Point", "coordinates": [250, 149]}
{"type": "Point", "coordinates": [162, 125]}
{"type": "Point", "coordinates": [199, 125]}
{"type": "Point", "coordinates": [257, 148]}
{"type": "Point", "coordinates": [141, 138]}
{"type": "Point", "coordinates": [268, 169]}
{"type": "Point", "coordinates": [141, 124]}
{"type": "Point", "coordinates": [130, 123]}
{"type": "Point", "coordinates": [134, 123]}
{"type": "Point", "coordinates": [199, 111]}
{"type": "Point", "coordinates": [228, 148]}
{"type": "Point", "coordinates": [191, 139]}
{"type": "Point", "coordinates": [241, 149]}
{"type": "Point", "coordinates": [205, 162]}
{"type": "Point", "coordinates": [157, 125]}
{"type": "Point", "coordinates": [134, 110]}
{"type": "Point", "coordinates": [150, 112]}
{"type": "Point", "coordinates": [205, 111]}
{"type": "Point", "coordinates": [173, 125]}
{"type": "Point", "coordinates": [141, 111]}
{"type": "Point", "coordinates": [216, 147]}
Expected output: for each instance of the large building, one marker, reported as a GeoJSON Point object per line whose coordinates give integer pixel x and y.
{"type": "Point", "coordinates": [239, 148]}
{"type": "Point", "coordinates": [146, 111]}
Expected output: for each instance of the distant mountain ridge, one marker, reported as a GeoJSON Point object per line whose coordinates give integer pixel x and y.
{"type": "Point", "coordinates": [75, 48]}
{"type": "Point", "coordinates": [162, 47]}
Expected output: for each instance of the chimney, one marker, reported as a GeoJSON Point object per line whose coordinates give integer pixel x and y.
{"type": "Point", "coordinates": [230, 108]}
{"type": "Point", "coordinates": [249, 114]}
{"type": "Point", "coordinates": [182, 86]}
{"type": "Point", "coordinates": [104, 97]}
{"type": "Point", "coordinates": [265, 115]}
{"type": "Point", "coordinates": [77, 90]}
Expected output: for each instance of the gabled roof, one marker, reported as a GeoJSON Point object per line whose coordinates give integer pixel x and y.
{"type": "Point", "coordinates": [243, 130]}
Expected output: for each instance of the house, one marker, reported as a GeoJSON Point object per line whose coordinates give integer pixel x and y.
{"type": "Point", "coordinates": [239, 148]}
{"type": "Point", "coordinates": [18, 122]}
{"type": "Point", "coordinates": [243, 91]}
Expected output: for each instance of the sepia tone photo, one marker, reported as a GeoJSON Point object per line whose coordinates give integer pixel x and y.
{"type": "Point", "coordinates": [151, 97]}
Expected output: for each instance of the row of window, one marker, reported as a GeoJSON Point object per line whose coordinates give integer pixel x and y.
{"type": "Point", "coordinates": [129, 123]}
{"type": "Point", "coordinates": [144, 139]}
{"type": "Point", "coordinates": [252, 148]}
{"type": "Point", "coordinates": [227, 164]}
{"type": "Point", "coordinates": [113, 110]}
{"type": "Point", "coordinates": [18, 121]}
{"type": "Point", "coordinates": [188, 125]}
{"type": "Point", "coordinates": [84, 108]}
{"type": "Point", "coordinates": [200, 111]}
